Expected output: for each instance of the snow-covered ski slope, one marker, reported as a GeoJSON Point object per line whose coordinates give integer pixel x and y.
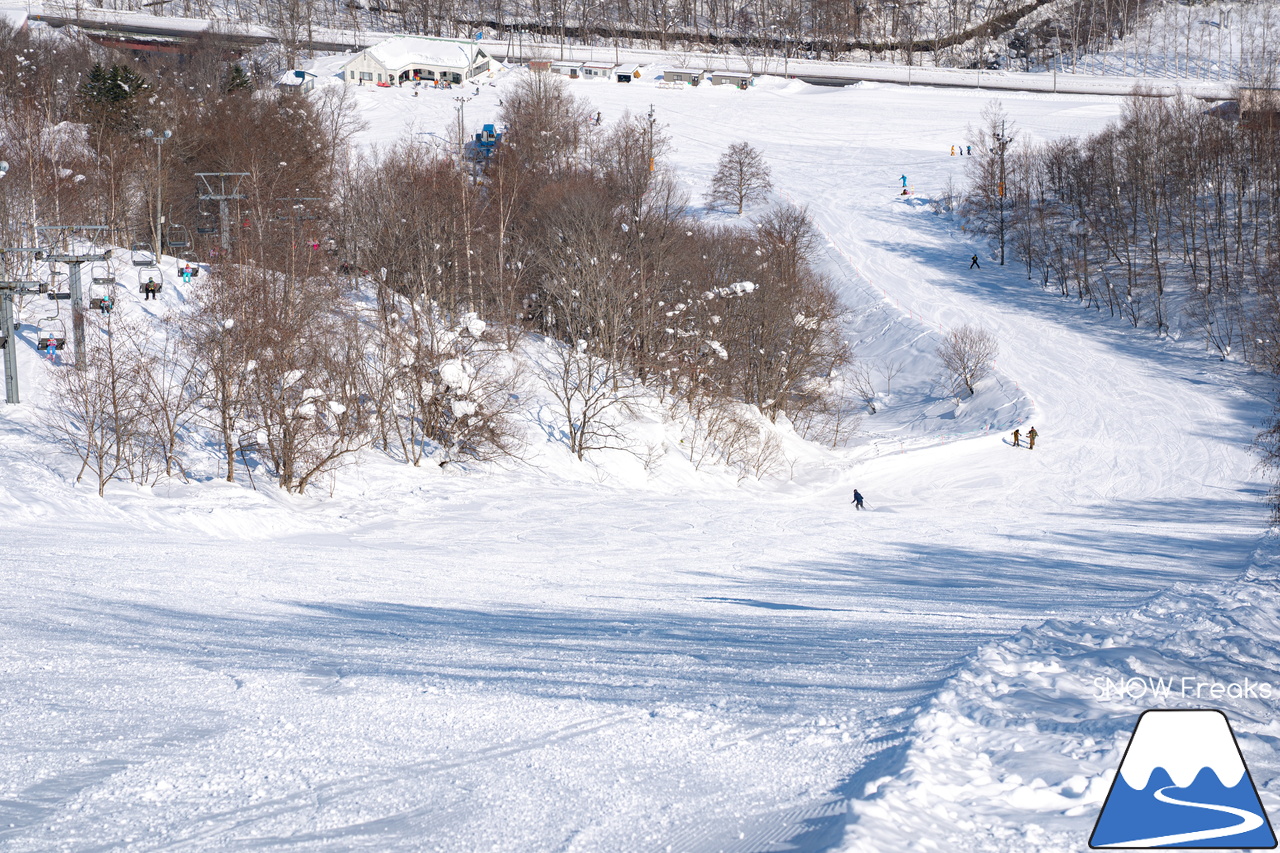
{"type": "Point", "coordinates": [543, 659]}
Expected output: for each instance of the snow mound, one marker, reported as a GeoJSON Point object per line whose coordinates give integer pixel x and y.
{"type": "Point", "coordinates": [1018, 750]}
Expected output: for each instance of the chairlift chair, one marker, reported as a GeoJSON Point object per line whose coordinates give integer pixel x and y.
{"type": "Point", "coordinates": [142, 254]}
{"type": "Point", "coordinates": [177, 237]}
{"type": "Point", "coordinates": [51, 329]}
{"type": "Point", "coordinates": [101, 275]}
{"type": "Point", "coordinates": [207, 229]}
{"type": "Point", "coordinates": [100, 298]}
{"type": "Point", "coordinates": [59, 289]}
{"type": "Point", "coordinates": [153, 272]}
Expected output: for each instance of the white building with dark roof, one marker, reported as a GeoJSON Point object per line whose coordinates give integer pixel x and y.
{"type": "Point", "coordinates": [406, 58]}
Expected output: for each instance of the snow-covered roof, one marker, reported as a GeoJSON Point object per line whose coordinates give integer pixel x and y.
{"type": "Point", "coordinates": [294, 77]}
{"type": "Point", "coordinates": [420, 50]}
{"type": "Point", "coordinates": [14, 17]}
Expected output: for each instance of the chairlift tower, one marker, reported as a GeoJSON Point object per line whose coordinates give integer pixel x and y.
{"type": "Point", "coordinates": [222, 187]}
{"type": "Point", "coordinates": [9, 289]}
{"type": "Point", "coordinates": [62, 251]}
{"type": "Point", "coordinates": [296, 215]}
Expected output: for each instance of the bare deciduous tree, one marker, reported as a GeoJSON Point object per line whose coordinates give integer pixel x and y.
{"type": "Point", "coordinates": [591, 397]}
{"type": "Point", "coordinates": [742, 177]}
{"type": "Point", "coordinates": [967, 353]}
{"type": "Point", "coordinates": [440, 385]}
{"type": "Point", "coordinates": [97, 410]}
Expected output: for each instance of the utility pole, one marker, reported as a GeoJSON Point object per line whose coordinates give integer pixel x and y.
{"type": "Point", "coordinates": [74, 260]}
{"type": "Point", "coordinates": [462, 125]}
{"type": "Point", "coordinates": [7, 291]}
{"type": "Point", "coordinates": [1002, 141]}
{"type": "Point", "coordinates": [650, 140]}
{"type": "Point", "coordinates": [159, 139]}
{"type": "Point", "coordinates": [222, 187]}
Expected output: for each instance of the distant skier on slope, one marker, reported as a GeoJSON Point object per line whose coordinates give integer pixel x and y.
{"type": "Point", "coordinates": [973, 262]}
{"type": "Point", "coordinates": [1031, 438]}
{"type": "Point", "coordinates": [1017, 438]}
{"type": "Point", "coordinates": [857, 499]}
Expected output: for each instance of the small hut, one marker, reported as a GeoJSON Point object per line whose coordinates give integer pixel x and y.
{"type": "Point", "coordinates": [692, 76]}
{"type": "Point", "coordinates": [741, 79]}
{"type": "Point", "coordinates": [572, 70]}
{"type": "Point", "coordinates": [597, 70]}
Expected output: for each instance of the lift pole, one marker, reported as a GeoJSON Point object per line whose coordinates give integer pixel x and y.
{"type": "Point", "coordinates": [7, 291]}
{"type": "Point", "coordinates": [222, 187]}
{"type": "Point", "coordinates": [73, 260]}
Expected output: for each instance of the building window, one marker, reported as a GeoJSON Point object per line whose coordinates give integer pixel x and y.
{"type": "Point", "coordinates": [365, 75]}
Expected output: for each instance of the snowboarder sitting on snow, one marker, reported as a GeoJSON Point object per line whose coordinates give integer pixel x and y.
{"type": "Point", "coordinates": [1017, 438]}
{"type": "Point", "coordinates": [1031, 438]}
{"type": "Point", "coordinates": [973, 262]}
{"type": "Point", "coordinates": [857, 499]}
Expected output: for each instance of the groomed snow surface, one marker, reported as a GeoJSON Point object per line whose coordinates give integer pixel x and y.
{"type": "Point", "coordinates": [592, 656]}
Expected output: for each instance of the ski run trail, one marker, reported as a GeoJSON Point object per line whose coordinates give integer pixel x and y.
{"type": "Point", "coordinates": [591, 657]}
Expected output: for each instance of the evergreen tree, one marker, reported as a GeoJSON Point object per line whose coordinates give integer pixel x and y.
{"type": "Point", "coordinates": [238, 79]}
{"type": "Point", "coordinates": [109, 94]}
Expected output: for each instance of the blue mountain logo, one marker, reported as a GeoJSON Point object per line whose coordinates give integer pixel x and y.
{"type": "Point", "coordinates": [1183, 783]}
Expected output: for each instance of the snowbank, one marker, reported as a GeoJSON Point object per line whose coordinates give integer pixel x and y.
{"type": "Point", "coordinates": [1019, 749]}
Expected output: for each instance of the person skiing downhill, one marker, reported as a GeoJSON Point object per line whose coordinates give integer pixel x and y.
{"type": "Point", "coordinates": [973, 262]}
{"type": "Point", "coordinates": [1017, 438]}
{"type": "Point", "coordinates": [857, 499]}
{"type": "Point", "coordinates": [1031, 438]}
